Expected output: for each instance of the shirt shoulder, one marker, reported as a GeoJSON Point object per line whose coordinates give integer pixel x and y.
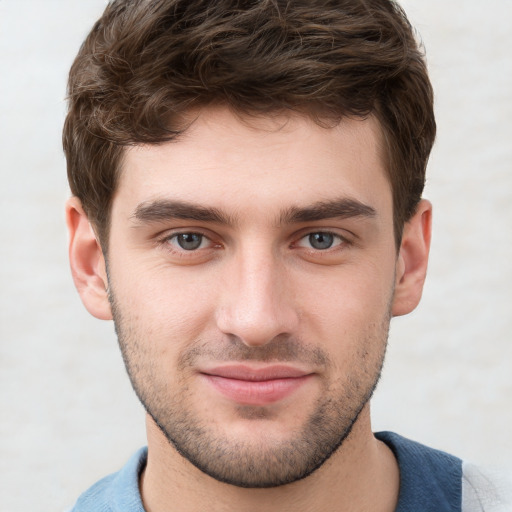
{"type": "Point", "coordinates": [430, 480]}
{"type": "Point", "coordinates": [435, 481]}
{"type": "Point", "coordinates": [485, 490]}
{"type": "Point", "coordinates": [118, 492]}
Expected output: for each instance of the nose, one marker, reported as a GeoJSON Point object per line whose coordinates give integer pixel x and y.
{"type": "Point", "coordinates": [256, 303]}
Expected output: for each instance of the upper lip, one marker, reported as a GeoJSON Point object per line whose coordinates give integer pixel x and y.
{"type": "Point", "coordinates": [248, 373]}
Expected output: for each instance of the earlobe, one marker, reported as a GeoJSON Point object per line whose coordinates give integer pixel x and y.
{"type": "Point", "coordinates": [411, 267]}
{"type": "Point", "coordinates": [87, 262]}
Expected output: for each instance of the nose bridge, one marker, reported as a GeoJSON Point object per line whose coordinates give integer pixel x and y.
{"type": "Point", "coordinates": [255, 305]}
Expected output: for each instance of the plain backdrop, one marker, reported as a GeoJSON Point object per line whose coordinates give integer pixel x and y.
{"type": "Point", "coordinates": [68, 415]}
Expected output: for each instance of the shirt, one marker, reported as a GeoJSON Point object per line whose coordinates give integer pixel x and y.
{"type": "Point", "coordinates": [430, 481]}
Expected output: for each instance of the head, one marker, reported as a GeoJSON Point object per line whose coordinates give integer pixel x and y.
{"type": "Point", "coordinates": [247, 180]}
{"type": "Point", "coordinates": [146, 64]}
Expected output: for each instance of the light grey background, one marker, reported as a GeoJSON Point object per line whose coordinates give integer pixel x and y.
{"type": "Point", "coordinates": [68, 415]}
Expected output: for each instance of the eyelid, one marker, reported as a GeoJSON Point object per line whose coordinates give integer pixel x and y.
{"type": "Point", "coordinates": [341, 240]}
{"type": "Point", "coordinates": [165, 238]}
{"type": "Point", "coordinates": [174, 238]}
{"type": "Point", "coordinates": [338, 240]}
{"type": "Point", "coordinates": [344, 238]}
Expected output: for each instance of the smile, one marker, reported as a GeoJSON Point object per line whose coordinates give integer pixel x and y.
{"type": "Point", "coordinates": [262, 386]}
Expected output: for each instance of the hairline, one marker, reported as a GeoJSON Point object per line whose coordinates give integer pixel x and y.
{"type": "Point", "coordinates": [313, 113]}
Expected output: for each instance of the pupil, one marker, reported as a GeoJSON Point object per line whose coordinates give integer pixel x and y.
{"type": "Point", "coordinates": [189, 241]}
{"type": "Point", "coordinates": [321, 240]}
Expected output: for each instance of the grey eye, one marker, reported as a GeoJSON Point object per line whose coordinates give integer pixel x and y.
{"type": "Point", "coordinates": [189, 241]}
{"type": "Point", "coordinates": [321, 241]}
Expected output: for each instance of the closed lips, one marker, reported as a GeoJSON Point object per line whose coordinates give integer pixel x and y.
{"type": "Point", "coordinates": [262, 386]}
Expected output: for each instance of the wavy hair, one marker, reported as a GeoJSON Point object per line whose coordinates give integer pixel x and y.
{"type": "Point", "coordinates": [145, 63]}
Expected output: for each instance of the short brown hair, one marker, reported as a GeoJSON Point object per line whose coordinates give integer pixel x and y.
{"type": "Point", "coordinates": [146, 62]}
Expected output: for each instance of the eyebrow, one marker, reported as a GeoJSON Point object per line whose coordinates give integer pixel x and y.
{"type": "Point", "coordinates": [339, 208]}
{"type": "Point", "coordinates": [166, 209]}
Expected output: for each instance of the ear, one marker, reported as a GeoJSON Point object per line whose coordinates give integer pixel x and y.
{"type": "Point", "coordinates": [411, 266]}
{"type": "Point", "coordinates": [87, 262]}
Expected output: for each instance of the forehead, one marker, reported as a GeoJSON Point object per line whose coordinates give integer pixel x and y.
{"type": "Point", "coordinates": [258, 164]}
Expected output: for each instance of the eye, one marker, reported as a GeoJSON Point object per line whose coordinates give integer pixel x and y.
{"type": "Point", "coordinates": [321, 240]}
{"type": "Point", "coordinates": [188, 241]}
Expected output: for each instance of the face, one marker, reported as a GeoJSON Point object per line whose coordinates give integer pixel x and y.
{"type": "Point", "coordinates": [251, 275]}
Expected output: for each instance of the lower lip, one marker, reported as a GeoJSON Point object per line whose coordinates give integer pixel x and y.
{"type": "Point", "coordinates": [256, 392]}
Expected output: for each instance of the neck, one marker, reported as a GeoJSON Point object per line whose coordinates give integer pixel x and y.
{"type": "Point", "coordinates": [361, 475]}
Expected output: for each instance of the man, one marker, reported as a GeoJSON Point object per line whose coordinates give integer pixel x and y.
{"type": "Point", "coordinates": [247, 180]}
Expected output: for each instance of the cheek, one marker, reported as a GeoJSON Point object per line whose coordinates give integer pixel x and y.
{"type": "Point", "coordinates": [167, 308]}
{"type": "Point", "coordinates": [347, 306]}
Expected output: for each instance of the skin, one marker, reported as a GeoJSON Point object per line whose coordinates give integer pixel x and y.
{"type": "Point", "coordinates": [257, 291]}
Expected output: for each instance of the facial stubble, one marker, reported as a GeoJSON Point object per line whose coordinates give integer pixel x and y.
{"type": "Point", "coordinates": [271, 461]}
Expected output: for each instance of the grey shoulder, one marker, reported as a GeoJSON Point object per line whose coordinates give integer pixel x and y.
{"type": "Point", "coordinates": [485, 490]}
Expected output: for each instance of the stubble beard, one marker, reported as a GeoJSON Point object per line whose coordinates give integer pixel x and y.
{"type": "Point", "coordinates": [239, 462]}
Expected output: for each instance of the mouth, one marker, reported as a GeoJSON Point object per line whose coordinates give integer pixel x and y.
{"type": "Point", "coordinates": [256, 386]}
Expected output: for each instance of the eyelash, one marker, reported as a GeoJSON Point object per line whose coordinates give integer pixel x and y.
{"type": "Point", "coordinates": [338, 241]}
{"type": "Point", "coordinates": [167, 241]}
